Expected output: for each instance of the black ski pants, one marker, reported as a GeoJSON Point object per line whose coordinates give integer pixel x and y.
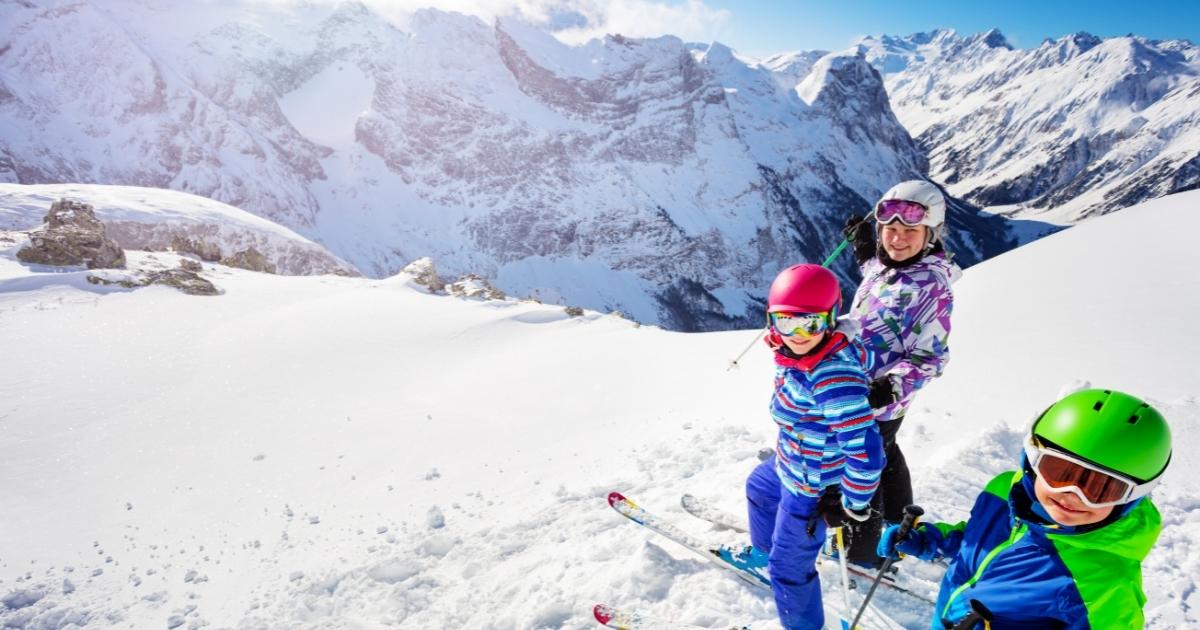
{"type": "Point", "coordinates": [895, 491]}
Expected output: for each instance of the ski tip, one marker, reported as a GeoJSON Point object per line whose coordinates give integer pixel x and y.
{"type": "Point", "coordinates": [603, 612]}
{"type": "Point", "coordinates": [615, 498]}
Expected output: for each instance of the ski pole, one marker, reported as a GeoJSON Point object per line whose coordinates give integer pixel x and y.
{"type": "Point", "coordinates": [841, 549]}
{"type": "Point", "coordinates": [828, 261]}
{"type": "Point", "coordinates": [734, 363]}
{"type": "Point", "coordinates": [911, 514]}
{"type": "Point", "coordinates": [978, 613]}
{"type": "Point", "coordinates": [832, 257]}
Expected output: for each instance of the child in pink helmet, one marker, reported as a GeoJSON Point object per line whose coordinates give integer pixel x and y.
{"type": "Point", "coordinates": [828, 455]}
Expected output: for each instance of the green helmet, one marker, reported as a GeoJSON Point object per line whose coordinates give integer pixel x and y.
{"type": "Point", "coordinates": [1110, 429]}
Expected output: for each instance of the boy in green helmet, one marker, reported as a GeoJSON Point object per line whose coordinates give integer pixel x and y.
{"type": "Point", "coordinates": [1059, 543]}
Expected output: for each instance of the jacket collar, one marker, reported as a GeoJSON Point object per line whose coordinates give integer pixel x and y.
{"type": "Point", "coordinates": [833, 342]}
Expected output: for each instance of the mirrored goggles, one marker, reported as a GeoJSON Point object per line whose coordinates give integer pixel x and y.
{"type": "Point", "coordinates": [1095, 486]}
{"type": "Point", "coordinates": [909, 213]}
{"type": "Point", "coordinates": [800, 324]}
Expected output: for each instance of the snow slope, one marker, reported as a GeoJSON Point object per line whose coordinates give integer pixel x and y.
{"type": "Point", "coordinates": [329, 452]}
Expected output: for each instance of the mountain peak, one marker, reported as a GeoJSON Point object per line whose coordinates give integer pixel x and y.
{"type": "Point", "coordinates": [993, 38]}
{"type": "Point", "coordinates": [1084, 40]}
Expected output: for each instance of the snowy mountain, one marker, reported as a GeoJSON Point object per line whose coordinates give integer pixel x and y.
{"type": "Point", "coordinates": [1076, 127]}
{"type": "Point", "coordinates": [665, 180]}
{"type": "Point", "coordinates": [317, 452]}
{"type": "Point", "coordinates": [156, 219]}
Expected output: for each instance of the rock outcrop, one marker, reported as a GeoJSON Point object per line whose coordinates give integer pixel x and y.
{"type": "Point", "coordinates": [250, 259]}
{"type": "Point", "coordinates": [472, 285]}
{"type": "Point", "coordinates": [72, 236]}
{"type": "Point", "coordinates": [425, 274]}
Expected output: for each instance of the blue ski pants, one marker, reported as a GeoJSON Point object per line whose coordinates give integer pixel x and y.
{"type": "Point", "coordinates": [779, 522]}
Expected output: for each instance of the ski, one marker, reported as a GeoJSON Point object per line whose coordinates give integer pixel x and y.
{"type": "Point", "coordinates": [707, 512]}
{"type": "Point", "coordinates": [631, 620]}
{"type": "Point", "coordinates": [889, 582]}
{"type": "Point", "coordinates": [724, 520]}
{"type": "Point", "coordinates": [637, 514]}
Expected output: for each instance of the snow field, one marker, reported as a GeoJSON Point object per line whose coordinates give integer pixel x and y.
{"type": "Point", "coordinates": [326, 452]}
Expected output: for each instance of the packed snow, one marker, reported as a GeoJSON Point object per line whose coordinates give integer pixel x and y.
{"type": "Point", "coordinates": [322, 451]}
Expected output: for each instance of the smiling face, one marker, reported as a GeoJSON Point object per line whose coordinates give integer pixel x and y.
{"type": "Point", "coordinates": [1066, 508]}
{"type": "Point", "coordinates": [902, 242]}
{"type": "Point", "coordinates": [801, 345]}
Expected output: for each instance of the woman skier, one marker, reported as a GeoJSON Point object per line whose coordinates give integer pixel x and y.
{"type": "Point", "coordinates": [902, 314]}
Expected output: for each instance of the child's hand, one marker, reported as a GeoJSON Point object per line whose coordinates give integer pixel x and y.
{"type": "Point", "coordinates": [915, 543]}
{"type": "Point", "coordinates": [773, 340]}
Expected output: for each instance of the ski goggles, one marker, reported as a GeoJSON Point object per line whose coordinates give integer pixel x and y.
{"type": "Point", "coordinates": [1095, 486]}
{"type": "Point", "coordinates": [909, 213]}
{"type": "Point", "coordinates": [800, 324]}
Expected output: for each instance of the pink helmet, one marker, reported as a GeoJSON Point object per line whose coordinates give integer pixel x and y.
{"type": "Point", "coordinates": [804, 289]}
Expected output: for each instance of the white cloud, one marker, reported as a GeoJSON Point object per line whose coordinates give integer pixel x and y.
{"type": "Point", "coordinates": [576, 21]}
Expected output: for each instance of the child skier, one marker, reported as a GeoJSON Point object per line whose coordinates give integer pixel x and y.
{"type": "Point", "coordinates": [902, 308]}
{"type": "Point", "coordinates": [828, 454]}
{"type": "Point", "coordinates": [1059, 543]}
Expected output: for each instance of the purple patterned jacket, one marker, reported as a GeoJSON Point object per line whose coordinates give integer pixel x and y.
{"type": "Point", "coordinates": [903, 317]}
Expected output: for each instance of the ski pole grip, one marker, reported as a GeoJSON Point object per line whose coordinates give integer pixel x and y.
{"type": "Point", "coordinates": [911, 514]}
{"type": "Point", "coordinates": [978, 608]}
{"type": "Point", "coordinates": [978, 613]}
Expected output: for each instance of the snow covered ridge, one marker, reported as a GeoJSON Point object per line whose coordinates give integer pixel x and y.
{"type": "Point", "coordinates": [1075, 127]}
{"type": "Point", "coordinates": [157, 220]}
{"type": "Point", "coordinates": [677, 179]}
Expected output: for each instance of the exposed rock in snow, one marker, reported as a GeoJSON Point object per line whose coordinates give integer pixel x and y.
{"type": "Point", "coordinates": [72, 236]}
{"type": "Point", "coordinates": [250, 259]}
{"type": "Point", "coordinates": [472, 285]}
{"type": "Point", "coordinates": [154, 219]}
{"type": "Point", "coordinates": [424, 273]}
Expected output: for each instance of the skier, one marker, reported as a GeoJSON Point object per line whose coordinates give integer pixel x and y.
{"type": "Point", "coordinates": [902, 311]}
{"type": "Point", "coordinates": [1058, 543]}
{"type": "Point", "coordinates": [828, 453]}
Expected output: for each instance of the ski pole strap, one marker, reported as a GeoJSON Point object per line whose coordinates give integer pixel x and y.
{"type": "Point", "coordinates": [979, 614]}
{"type": "Point", "coordinates": [911, 514]}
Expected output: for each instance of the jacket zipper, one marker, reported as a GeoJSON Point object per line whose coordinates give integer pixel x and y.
{"type": "Point", "coordinates": [1017, 533]}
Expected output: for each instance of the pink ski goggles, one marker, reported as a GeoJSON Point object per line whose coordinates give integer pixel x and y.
{"type": "Point", "coordinates": [909, 213]}
{"type": "Point", "coordinates": [804, 325]}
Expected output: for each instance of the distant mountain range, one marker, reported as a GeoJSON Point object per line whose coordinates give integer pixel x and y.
{"type": "Point", "coordinates": [1077, 127]}
{"type": "Point", "coordinates": [663, 179]}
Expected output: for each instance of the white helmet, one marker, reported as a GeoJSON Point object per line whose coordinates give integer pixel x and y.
{"type": "Point", "coordinates": [927, 195]}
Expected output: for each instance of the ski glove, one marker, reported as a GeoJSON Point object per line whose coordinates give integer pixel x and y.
{"type": "Point", "coordinates": [917, 543]}
{"type": "Point", "coordinates": [858, 231]}
{"type": "Point", "coordinates": [773, 340]}
{"type": "Point", "coordinates": [881, 393]}
{"type": "Point", "coordinates": [837, 514]}
{"type": "Point", "coordinates": [859, 516]}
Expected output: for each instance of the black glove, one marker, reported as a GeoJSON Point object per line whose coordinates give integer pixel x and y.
{"type": "Point", "coordinates": [881, 393]}
{"type": "Point", "coordinates": [829, 507]}
{"type": "Point", "coordinates": [858, 231]}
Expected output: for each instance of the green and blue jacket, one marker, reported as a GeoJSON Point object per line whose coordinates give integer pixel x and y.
{"type": "Point", "coordinates": [1033, 573]}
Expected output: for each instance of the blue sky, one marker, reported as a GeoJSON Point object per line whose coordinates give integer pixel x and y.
{"type": "Point", "coordinates": [763, 27]}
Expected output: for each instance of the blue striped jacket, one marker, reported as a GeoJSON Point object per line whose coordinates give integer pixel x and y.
{"type": "Point", "coordinates": [827, 433]}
